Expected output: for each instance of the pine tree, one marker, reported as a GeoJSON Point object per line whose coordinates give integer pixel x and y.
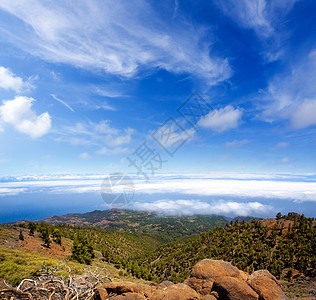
{"type": "Point", "coordinates": [82, 250]}
{"type": "Point", "coordinates": [21, 236]}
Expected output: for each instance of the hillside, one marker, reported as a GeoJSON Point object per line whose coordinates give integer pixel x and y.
{"type": "Point", "coordinates": [165, 228]}
{"type": "Point", "coordinates": [285, 247]}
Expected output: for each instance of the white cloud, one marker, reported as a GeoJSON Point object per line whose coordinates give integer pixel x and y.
{"type": "Point", "coordinates": [18, 112]}
{"type": "Point", "coordinates": [260, 15]}
{"type": "Point", "coordinates": [265, 18]}
{"type": "Point", "coordinates": [249, 13]}
{"type": "Point", "coordinates": [11, 191]}
{"type": "Point", "coordinates": [106, 35]}
{"type": "Point", "coordinates": [237, 143]}
{"type": "Point", "coordinates": [222, 119]}
{"type": "Point", "coordinates": [192, 207]}
{"type": "Point", "coordinates": [108, 139]}
{"type": "Point", "coordinates": [280, 145]}
{"type": "Point", "coordinates": [62, 102]}
{"type": "Point", "coordinates": [85, 156]}
{"type": "Point", "coordinates": [296, 187]}
{"type": "Point", "coordinates": [305, 115]}
{"type": "Point", "coordinates": [10, 81]}
{"type": "Point", "coordinates": [291, 95]}
{"type": "Point", "coordinates": [114, 151]}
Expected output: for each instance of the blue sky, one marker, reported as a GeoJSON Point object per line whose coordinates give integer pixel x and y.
{"type": "Point", "coordinates": [84, 85]}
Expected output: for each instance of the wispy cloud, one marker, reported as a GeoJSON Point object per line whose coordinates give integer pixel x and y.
{"type": "Point", "coordinates": [265, 18]}
{"type": "Point", "coordinates": [220, 120]}
{"type": "Point", "coordinates": [280, 145]}
{"type": "Point", "coordinates": [107, 36]}
{"type": "Point", "coordinates": [249, 13]}
{"type": "Point", "coordinates": [62, 102]}
{"type": "Point", "coordinates": [108, 139]}
{"type": "Point", "coordinates": [85, 156]}
{"type": "Point", "coordinates": [18, 112]}
{"type": "Point", "coordinates": [237, 143]}
{"type": "Point", "coordinates": [292, 95]}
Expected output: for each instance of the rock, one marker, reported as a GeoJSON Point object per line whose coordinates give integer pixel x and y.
{"type": "Point", "coordinates": [166, 284]}
{"type": "Point", "coordinates": [210, 268]}
{"type": "Point", "coordinates": [129, 287]}
{"type": "Point", "coordinates": [129, 296]}
{"type": "Point", "coordinates": [208, 297]}
{"type": "Point", "coordinates": [201, 286]}
{"type": "Point", "coordinates": [244, 275]}
{"type": "Point", "coordinates": [231, 288]}
{"type": "Point", "coordinates": [266, 285]}
{"type": "Point", "coordinates": [100, 294]}
{"type": "Point", "coordinates": [178, 291]}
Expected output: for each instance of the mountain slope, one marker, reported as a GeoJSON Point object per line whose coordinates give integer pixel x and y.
{"type": "Point", "coordinates": [165, 228]}
{"type": "Point", "coordinates": [285, 247]}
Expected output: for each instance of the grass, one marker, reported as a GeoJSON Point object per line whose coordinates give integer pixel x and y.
{"type": "Point", "coordinates": [16, 265]}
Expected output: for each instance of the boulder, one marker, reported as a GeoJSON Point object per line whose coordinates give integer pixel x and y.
{"type": "Point", "coordinates": [208, 297]}
{"type": "Point", "coordinates": [201, 286]}
{"type": "Point", "coordinates": [100, 294]}
{"type": "Point", "coordinates": [266, 285]}
{"type": "Point", "coordinates": [129, 287]}
{"type": "Point", "coordinates": [129, 296]}
{"type": "Point", "coordinates": [165, 283]}
{"type": "Point", "coordinates": [178, 291]}
{"type": "Point", "coordinates": [231, 288]}
{"type": "Point", "coordinates": [211, 269]}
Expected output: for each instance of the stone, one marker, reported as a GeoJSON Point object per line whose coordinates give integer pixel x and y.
{"type": "Point", "coordinates": [230, 288]}
{"type": "Point", "coordinates": [210, 268]}
{"type": "Point", "coordinates": [201, 286]}
{"type": "Point", "coordinates": [129, 287]}
{"type": "Point", "coordinates": [266, 285]}
{"type": "Point", "coordinates": [178, 291]}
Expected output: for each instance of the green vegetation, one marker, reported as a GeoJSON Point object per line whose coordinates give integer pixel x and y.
{"type": "Point", "coordinates": [16, 265]}
{"type": "Point", "coordinates": [21, 236]}
{"type": "Point", "coordinates": [249, 246]}
{"type": "Point", "coordinates": [164, 228]}
{"type": "Point", "coordinates": [82, 250]}
{"type": "Point", "coordinates": [282, 245]}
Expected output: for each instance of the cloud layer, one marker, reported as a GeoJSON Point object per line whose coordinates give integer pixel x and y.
{"type": "Point", "coordinates": [192, 207]}
{"type": "Point", "coordinates": [18, 112]}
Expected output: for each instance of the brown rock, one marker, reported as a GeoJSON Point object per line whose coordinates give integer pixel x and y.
{"type": "Point", "coordinates": [201, 286]}
{"type": "Point", "coordinates": [129, 296]}
{"type": "Point", "coordinates": [165, 283]}
{"type": "Point", "coordinates": [100, 294]}
{"type": "Point", "coordinates": [178, 291]}
{"type": "Point", "coordinates": [244, 275]}
{"type": "Point", "coordinates": [129, 287]}
{"type": "Point", "coordinates": [266, 285]}
{"type": "Point", "coordinates": [208, 297]}
{"type": "Point", "coordinates": [234, 289]}
{"type": "Point", "coordinates": [210, 268]}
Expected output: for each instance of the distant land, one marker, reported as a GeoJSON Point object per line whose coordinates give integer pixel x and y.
{"type": "Point", "coordinates": [165, 228]}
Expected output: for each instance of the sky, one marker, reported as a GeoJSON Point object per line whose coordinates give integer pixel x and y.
{"type": "Point", "coordinates": [206, 106]}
